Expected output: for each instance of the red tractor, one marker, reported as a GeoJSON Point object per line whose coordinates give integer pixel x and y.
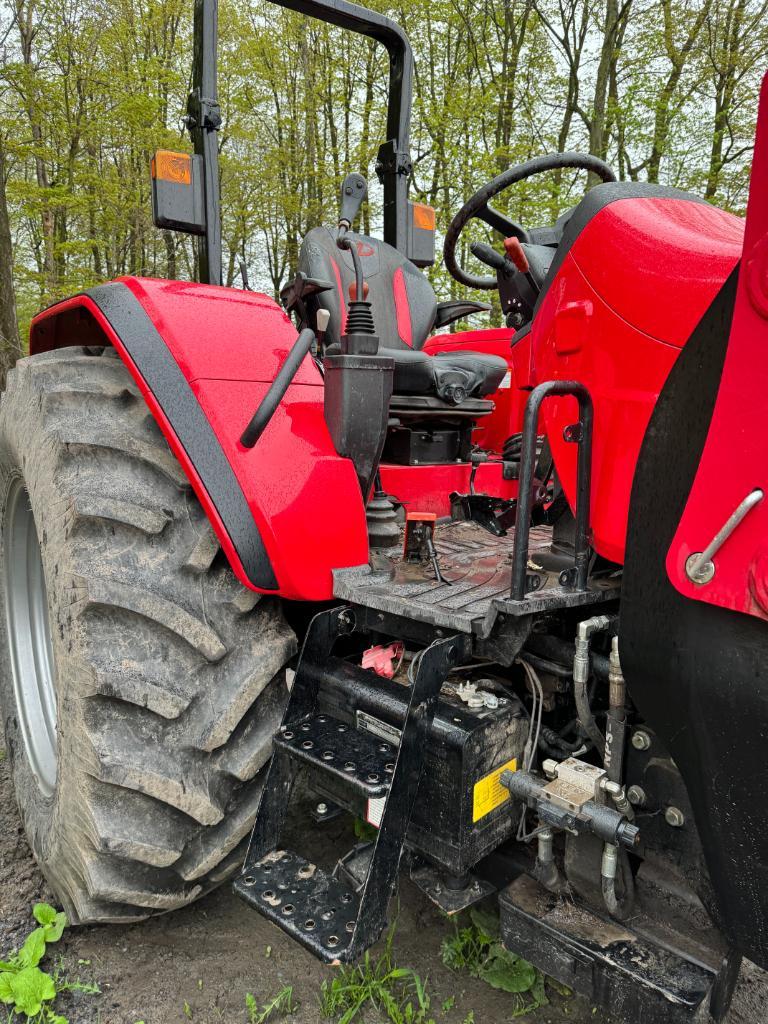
{"type": "Point", "coordinates": [500, 593]}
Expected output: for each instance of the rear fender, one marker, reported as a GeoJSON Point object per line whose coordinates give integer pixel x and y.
{"type": "Point", "coordinates": [203, 357]}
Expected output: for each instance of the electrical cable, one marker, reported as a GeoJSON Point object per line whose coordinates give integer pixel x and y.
{"type": "Point", "coordinates": [532, 741]}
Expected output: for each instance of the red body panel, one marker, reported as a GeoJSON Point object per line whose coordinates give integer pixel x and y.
{"type": "Point", "coordinates": [734, 460]}
{"type": "Point", "coordinates": [636, 281]}
{"type": "Point", "coordinates": [427, 488]}
{"type": "Point", "coordinates": [304, 498]}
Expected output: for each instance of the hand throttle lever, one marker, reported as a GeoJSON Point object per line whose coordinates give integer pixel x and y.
{"type": "Point", "coordinates": [489, 256]}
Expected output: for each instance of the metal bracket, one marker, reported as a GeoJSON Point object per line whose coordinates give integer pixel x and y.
{"type": "Point", "coordinates": [699, 567]}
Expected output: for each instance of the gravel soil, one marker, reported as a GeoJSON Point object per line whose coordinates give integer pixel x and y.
{"type": "Point", "coordinates": [197, 964]}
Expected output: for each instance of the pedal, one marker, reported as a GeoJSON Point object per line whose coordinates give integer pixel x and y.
{"type": "Point", "coordinates": [358, 759]}
{"type": "Point", "coordinates": [334, 919]}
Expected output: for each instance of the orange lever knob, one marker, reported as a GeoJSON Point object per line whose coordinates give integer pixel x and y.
{"type": "Point", "coordinates": [516, 254]}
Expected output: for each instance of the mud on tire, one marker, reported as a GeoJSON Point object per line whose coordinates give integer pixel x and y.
{"type": "Point", "coordinates": [168, 674]}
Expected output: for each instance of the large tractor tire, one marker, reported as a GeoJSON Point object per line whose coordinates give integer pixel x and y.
{"type": "Point", "coordinates": [140, 683]}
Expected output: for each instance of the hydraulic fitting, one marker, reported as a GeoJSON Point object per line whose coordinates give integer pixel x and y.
{"type": "Point", "coordinates": [571, 802]}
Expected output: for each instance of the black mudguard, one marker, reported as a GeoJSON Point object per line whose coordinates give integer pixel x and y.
{"type": "Point", "coordinates": [698, 673]}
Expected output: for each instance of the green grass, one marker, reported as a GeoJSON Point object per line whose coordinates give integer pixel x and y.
{"type": "Point", "coordinates": [278, 1006]}
{"type": "Point", "coordinates": [398, 993]}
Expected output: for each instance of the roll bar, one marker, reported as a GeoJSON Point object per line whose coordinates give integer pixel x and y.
{"type": "Point", "coordinates": [393, 165]}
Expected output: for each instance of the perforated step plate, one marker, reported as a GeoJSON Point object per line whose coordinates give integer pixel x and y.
{"type": "Point", "coordinates": [310, 905]}
{"type": "Point", "coordinates": [359, 759]}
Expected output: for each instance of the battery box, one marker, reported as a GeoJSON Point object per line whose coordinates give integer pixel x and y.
{"type": "Point", "coordinates": [462, 812]}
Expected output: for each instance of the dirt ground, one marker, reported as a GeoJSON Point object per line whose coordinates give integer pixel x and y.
{"type": "Point", "coordinates": [198, 964]}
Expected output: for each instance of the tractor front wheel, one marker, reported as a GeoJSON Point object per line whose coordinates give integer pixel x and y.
{"type": "Point", "coordinates": [140, 683]}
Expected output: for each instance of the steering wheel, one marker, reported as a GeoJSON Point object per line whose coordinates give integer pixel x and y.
{"type": "Point", "coordinates": [478, 206]}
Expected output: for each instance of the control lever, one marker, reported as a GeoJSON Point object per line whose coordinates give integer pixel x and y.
{"type": "Point", "coordinates": [354, 189]}
{"type": "Point", "coordinates": [490, 257]}
{"type": "Point", "coordinates": [278, 387]}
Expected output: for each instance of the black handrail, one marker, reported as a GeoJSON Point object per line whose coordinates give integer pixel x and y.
{"type": "Point", "coordinates": [277, 388]}
{"type": "Point", "coordinates": [583, 437]}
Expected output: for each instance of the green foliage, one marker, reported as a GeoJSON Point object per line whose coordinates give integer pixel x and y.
{"type": "Point", "coordinates": [303, 103]}
{"type": "Point", "coordinates": [364, 831]}
{"type": "Point", "coordinates": [24, 987]}
{"type": "Point", "coordinates": [398, 993]}
{"type": "Point", "coordinates": [279, 1005]}
{"type": "Point", "coordinates": [477, 949]}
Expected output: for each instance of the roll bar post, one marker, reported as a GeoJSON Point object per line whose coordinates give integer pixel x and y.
{"type": "Point", "coordinates": [393, 165]}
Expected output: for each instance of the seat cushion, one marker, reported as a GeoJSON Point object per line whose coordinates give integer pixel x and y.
{"type": "Point", "coordinates": [402, 299]}
{"type": "Point", "coordinates": [452, 376]}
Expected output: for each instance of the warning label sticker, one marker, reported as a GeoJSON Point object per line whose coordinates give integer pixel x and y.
{"type": "Point", "coordinates": [489, 793]}
{"type": "Point", "coordinates": [375, 810]}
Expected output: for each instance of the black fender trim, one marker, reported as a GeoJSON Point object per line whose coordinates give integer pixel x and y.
{"type": "Point", "coordinates": [146, 347]}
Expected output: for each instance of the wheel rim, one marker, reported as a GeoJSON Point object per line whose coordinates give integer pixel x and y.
{"type": "Point", "coordinates": [29, 638]}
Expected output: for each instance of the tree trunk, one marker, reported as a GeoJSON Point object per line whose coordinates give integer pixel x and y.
{"type": "Point", "coordinates": [10, 345]}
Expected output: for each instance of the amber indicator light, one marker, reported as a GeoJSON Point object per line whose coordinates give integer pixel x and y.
{"type": "Point", "coordinates": [423, 217]}
{"type": "Point", "coordinates": [169, 166]}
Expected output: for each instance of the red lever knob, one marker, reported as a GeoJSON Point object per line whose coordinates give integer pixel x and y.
{"type": "Point", "coordinates": [353, 291]}
{"type": "Point", "coordinates": [516, 254]}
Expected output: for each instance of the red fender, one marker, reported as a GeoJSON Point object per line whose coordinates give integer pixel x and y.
{"type": "Point", "coordinates": [203, 357]}
{"type": "Point", "coordinates": [733, 463]}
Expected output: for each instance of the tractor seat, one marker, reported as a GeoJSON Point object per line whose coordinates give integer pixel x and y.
{"type": "Point", "coordinates": [405, 311]}
{"type": "Point", "coordinates": [452, 376]}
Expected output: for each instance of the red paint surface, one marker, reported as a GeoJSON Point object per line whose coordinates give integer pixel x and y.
{"type": "Point", "coordinates": [735, 460]}
{"type": "Point", "coordinates": [229, 344]}
{"type": "Point", "coordinates": [636, 282]}
{"type": "Point", "coordinates": [402, 308]}
{"type": "Point", "coordinates": [426, 488]}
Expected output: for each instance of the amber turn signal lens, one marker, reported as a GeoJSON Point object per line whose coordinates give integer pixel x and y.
{"type": "Point", "coordinates": [170, 166]}
{"type": "Point", "coordinates": [423, 217]}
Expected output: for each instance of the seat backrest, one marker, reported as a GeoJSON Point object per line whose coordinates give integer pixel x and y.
{"type": "Point", "coordinates": [403, 302]}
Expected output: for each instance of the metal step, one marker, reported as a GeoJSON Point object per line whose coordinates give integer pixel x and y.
{"type": "Point", "coordinates": [322, 913]}
{"type": "Point", "coordinates": [310, 905]}
{"type": "Point", "coordinates": [360, 760]}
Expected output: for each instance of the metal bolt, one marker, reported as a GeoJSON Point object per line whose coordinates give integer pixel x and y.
{"type": "Point", "coordinates": [636, 796]}
{"type": "Point", "coordinates": [697, 571]}
{"type": "Point", "coordinates": [641, 740]}
{"type": "Point", "coordinates": [347, 619]}
{"type": "Point", "coordinates": [322, 808]}
{"type": "Point", "coordinates": [674, 817]}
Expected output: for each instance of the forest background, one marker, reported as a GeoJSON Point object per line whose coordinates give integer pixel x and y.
{"type": "Point", "coordinates": [665, 90]}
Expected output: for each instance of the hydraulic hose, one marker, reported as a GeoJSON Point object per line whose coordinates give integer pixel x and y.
{"type": "Point", "coordinates": [620, 907]}
{"type": "Point", "coordinates": [346, 243]}
{"type": "Point", "coordinates": [581, 661]}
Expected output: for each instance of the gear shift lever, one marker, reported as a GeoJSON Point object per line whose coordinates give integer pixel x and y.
{"type": "Point", "coordinates": [353, 191]}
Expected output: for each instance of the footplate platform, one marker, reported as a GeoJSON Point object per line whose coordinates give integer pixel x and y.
{"type": "Point", "coordinates": [604, 960]}
{"type": "Point", "coordinates": [473, 592]}
{"type": "Point", "coordinates": [310, 905]}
